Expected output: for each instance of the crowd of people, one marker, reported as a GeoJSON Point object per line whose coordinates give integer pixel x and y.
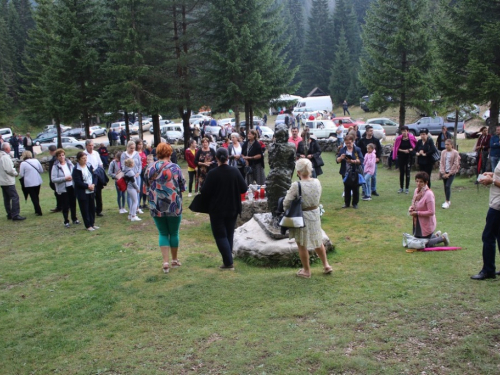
{"type": "Point", "coordinates": [152, 175]}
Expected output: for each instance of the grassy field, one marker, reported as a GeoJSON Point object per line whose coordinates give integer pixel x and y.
{"type": "Point", "coordinates": [74, 302]}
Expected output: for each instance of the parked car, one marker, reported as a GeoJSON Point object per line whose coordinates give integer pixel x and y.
{"type": "Point", "coordinates": [73, 132]}
{"type": "Point", "coordinates": [162, 124]}
{"type": "Point", "coordinates": [434, 125]}
{"type": "Point", "coordinates": [118, 126]}
{"type": "Point", "coordinates": [465, 113]}
{"type": "Point", "coordinates": [267, 132]}
{"type": "Point", "coordinates": [378, 131]}
{"type": "Point", "coordinates": [347, 122]}
{"type": "Point", "coordinates": [390, 127]}
{"type": "Point", "coordinates": [6, 133]}
{"type": "Point", "coordinates": [196, 117]}
{"type": "Point", "coordinates": [44, 138]}
{"type": "Point", "coordinates": [67, 142]}
{"type": "Point", "coordinates": [299, 111]}
{"type": "Point", "coordinates": [94, 132]}
{"type": "Point", "coordinates": [322, 128]}
{"type": "Point", "coordinates": [486, 117]}
{"type": "Point", "coordinates": [228, 120]}
{"type": "Point", "coordinates": [255, 123]}
{"type": "Point", "coordinates": [213, 131]}
{"type": "Point", "coordinates": [172, 136]}
{"type": "Point", "coordinates": [280, 119]}
{"type": "Point", "coordinates": [363, 103]}
{"type": "Point", "coordinates": [49, 127]}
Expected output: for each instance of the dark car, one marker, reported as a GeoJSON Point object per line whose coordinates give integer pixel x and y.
{"type": "Point", "coordinates": [75, 133]}
{"type": "Point", "coordinates": [243, 123]}
{"type": "Point", "coordinates": [44, 138]}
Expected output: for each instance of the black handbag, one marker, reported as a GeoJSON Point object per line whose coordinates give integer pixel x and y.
{"type": "Point", "coordinates": [199, 205]}
{"type": "Point", "coordinates": [293, 217]}
{"type": "Point", "coordinates": [318, 161]}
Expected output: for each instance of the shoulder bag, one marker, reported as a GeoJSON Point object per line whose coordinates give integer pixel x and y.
{"type": "Point", "coordinates": [293, 217]}
{"type": "Point", "coordinates": [199, 205]}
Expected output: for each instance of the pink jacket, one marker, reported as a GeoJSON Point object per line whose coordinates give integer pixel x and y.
{"type": "Point", "coordinates": [369, 163]}
{"type": "Point", "coordinates": [455, 162]}
{"type": "Point", "coordinates": [397, 143]}
{"type": "Point", "coordinates": [426, 208]}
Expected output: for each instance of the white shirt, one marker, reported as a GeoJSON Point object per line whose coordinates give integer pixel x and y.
{"type": "Point", "coordinates": [67, 173]}
{"type": "Point", "coordinates": [94, 159]}
{"type": "Point", "coordinates": [30, 169]}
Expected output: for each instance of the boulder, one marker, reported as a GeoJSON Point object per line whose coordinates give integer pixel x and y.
{"type": "Point", "coordinates": [254, 240]}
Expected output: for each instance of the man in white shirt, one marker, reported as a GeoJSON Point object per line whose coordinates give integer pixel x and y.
{"type": "Point", "coordinates": [8, 183]}
{"type": "Point", "coordinates": [94, 159]}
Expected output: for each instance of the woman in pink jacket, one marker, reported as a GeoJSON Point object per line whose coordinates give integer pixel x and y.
{"type": "Point", "coordinates": [448, 168]}
{"type": "Point", "coordinates": [423, 212]}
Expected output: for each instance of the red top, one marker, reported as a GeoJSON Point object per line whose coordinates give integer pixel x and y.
{"type": "Point", "coordinates": [190, 158]}
{"type": "Point", "coordinates": [144, 159]}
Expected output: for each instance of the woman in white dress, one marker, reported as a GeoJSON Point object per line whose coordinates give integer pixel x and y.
{"type": "Point", "coordinates": [311, 235]}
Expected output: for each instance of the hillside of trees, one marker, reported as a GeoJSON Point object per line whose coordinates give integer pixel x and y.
{"type": "Point", "coordinates": [69, 61]}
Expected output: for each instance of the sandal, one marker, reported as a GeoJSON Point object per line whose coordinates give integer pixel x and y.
{"type": "Point", "coordinates": [176, 263]}
{"type": "Point", "coordinates": [166, 267]}
{"type": "Point", "coordinates": [328, 270]}
{"type": "Point", "coordinates": [301, 273]}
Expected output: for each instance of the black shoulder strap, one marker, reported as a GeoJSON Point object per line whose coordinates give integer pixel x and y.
{"type": "Point", "coordinates": [300, 189]}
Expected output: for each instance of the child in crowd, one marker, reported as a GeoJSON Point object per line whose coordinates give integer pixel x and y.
{"type": "Point", "coordinates": [114, 169]}
{"type": "Point", "coordinates": [145, 186]}
{"type": "Point", "coordinates": [132, 189]}
{"type": "Point", "coordinates": [103, 152]}
{"type": "Point", "coordinates": [369, 164]}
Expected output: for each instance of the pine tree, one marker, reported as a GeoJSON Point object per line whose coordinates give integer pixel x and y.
{"type": "Point", "coordinates": [293, 13]}
{"type": "Point", "coordinates": [246, 63]}
{"type": "Point", "coordinates": [341, 76]}
{"type": "Point", "coordinates": [397, 59]}
{"type": "Point", "coordinates": [6, 69]}
{"type": "Point", "coordinates": [317, 56]}
{"type": "Point", "coordinates": [77, 56]}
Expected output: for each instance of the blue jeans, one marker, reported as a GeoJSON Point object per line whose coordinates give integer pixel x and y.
{"type": "Point", "coordinates": [120, 197]}
{"type": "Point", "coordinates": [491, 236]}
{"type": "Point", "coordinates": [367, 188]}
{"type": "Point", "coordinates": [374, 180]}
{"type": "Point", "coordinates": [494, 161]}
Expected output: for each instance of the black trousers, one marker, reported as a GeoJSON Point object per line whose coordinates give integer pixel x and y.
{"type": "Point", "coordinates": [68, 203]}
{"type": "Point", "coordinates": [404, 171]}
{"type": "Point", "coordinates": [58, 201]}
{"type": "Point", "coordinates": [223, 231]}
{"type": "Point", "coordinates": [87, 209]}
{"type": "Point", "coordinates": [98, 198]}
{"type": "Point", "coordinates": [11, 201]}
{"type": "Point", "coordinates": [347, 194]}
{"type": "Point", "coordinates": [426, 168]}
{"type": "Point", "coordinates": [34, 194]}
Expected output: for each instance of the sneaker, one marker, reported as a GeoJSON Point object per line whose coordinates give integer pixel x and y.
{"type": "Point", "coordinates": [76, 222]}
{"type": "Point", "coordinates": [406, 191]}
{"type": "Point", "coordinates": [124, 210]}
{"type": "Point", "coordinates": [343, 194]}
{"type": "Point", "coordinates": [95, 227]}
{"type": "Point", "coordinates": [190, 195]}
{"type": "Point", "coordinates": [367, 198]}
{"type": "Point", "coordinates": [446, 239]}
{"type": "Point", "coordinates": [226, 268]}
{"type": "Point", "coordinates": [136, 218]}
{"type": "Point", "coordinates": [90, 229]}
{"type": "Point", "coordinates": [438, 233]}
{"type": "Point", "coordinates": [139, 211]}
{"type": "Point", "coordinates": [129, 217]}
{"type": "Point", "coordinates": [355, 206]}
{"type": "Point", "coordinates": [445, 205]}
{"type": "Point", "coordinates": [375, 193]}
{"type": "Point", "coordinates": [400, 191]}
{"type": "Point", "coordinates": [66, 225]}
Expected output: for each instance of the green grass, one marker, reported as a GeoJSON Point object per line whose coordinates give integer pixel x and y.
{"type": "Point", "coordinates": [73, 302]}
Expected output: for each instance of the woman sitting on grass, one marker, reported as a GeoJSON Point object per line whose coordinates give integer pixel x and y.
{"type": "Point", "coordinates": [423, 212]}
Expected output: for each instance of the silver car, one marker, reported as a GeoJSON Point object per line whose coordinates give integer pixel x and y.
{"type": "Point", "coordinates": [390, 127]}
{"type": "Point", "coordinates": [378, 131]}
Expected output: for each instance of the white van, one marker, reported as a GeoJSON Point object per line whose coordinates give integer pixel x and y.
{"type": "Point", "coordinates": [315, 103]}
{"type": "Point", "coordinates": [6, 133]}
{"type": "Point", "coordinates": [322, 128]}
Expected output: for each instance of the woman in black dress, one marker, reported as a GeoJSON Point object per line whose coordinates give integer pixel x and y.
{"type": "Point", "coordinates": [424, 149]}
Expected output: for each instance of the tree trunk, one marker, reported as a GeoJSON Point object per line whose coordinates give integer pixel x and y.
{"type": "Point", "coordinates": [58, 128]}
{"type": "Point", "coordinates": [139, 120]}
{"type": "Point", "coordinates": [185, 115]}
{"type": "Point", "coordinates": [455, 129]}
{"type": "Point", "coordinates": [86, 122]}
{"type": "Point", "coordinates": [494, 109]}
{"type": "Point", "coordinates": [156, 129]}
{"type": "Point", "coordinates": [127, 129]}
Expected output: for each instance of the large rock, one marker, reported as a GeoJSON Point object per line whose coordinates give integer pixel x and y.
{"type": "Point", "coordinates": [252, 240]}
